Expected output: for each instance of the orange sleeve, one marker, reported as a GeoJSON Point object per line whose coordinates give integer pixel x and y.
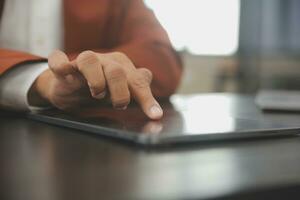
{"type": "Point", "coordinates": [11, 58]}
{"type": "Point", "coordinates": [147, 44]}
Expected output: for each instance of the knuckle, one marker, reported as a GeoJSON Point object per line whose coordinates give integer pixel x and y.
{"type": "Point", "coordinates": [86, 58]}
{"type": "Point", "coordinates": [55, 53]}
{"type": "Point", "coordinates": [86, 53]}
{"type": "Point", "coordinates": [121, 57]}
{"type": "Point", "coordinates": [115, 74]}
{"type": "Point", "coordinates": [139, 81]}
{"type": "Point", "coordinates": [57, 61]}
{"type": "Point", "coordinates": [146, 73]}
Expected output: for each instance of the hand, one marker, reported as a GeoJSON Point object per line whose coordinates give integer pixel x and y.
{"type": "Point", "coordinates": [93, 76]}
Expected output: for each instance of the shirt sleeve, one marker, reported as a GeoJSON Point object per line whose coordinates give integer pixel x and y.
{"type": "Point", "coordinates": [15, 85]}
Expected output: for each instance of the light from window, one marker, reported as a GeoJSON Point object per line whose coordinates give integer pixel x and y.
{"type": "Point", "coordinates": [203, 27]}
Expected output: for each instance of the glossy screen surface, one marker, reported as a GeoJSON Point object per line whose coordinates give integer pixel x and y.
{"type": "Point", "coordinates": [184, 116]}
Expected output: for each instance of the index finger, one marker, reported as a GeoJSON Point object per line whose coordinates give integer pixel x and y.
{"type": "Point", "coordinates": [139, 85]}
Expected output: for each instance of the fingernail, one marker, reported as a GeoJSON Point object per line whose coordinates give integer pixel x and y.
{"type": "Point", "coordinates": [98, 96]}
{"type": "Point", "coordinates": [156, 111]}
{"type": "Point", "coordinates": [121, 108]}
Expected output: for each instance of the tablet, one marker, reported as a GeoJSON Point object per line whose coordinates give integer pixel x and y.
{"type": "Point", "coordinates": [186, 120]}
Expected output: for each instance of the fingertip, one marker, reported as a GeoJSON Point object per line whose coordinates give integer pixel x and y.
{"type": "Point", "coordinates": [120, 107]}
{"type": "Point", "coordinates": [97, 93]}
{"type": "Point", "coordinates": [155, 112]}
{"type": "Point", "coordinates": [98, 96]}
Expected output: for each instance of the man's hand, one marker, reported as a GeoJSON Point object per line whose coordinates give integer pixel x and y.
{"type": "Point", "coordinates": [93, 76]}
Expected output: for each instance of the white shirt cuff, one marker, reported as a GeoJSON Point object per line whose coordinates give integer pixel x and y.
{"type": "Point", "coordinates": [16, 83]}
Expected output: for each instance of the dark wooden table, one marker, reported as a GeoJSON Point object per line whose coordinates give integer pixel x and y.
{"type": "Point", "coordinates": [44, 162]}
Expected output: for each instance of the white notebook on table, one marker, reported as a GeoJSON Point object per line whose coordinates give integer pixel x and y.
{"type": "Point", "coordinates": [285, 100]}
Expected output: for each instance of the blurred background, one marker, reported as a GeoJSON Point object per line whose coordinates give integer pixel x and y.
{"type": "Point", "coordinates": [234, 45]}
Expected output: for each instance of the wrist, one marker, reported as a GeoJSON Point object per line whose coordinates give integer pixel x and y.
{"type": "Point", "coordinates": [38, 93]}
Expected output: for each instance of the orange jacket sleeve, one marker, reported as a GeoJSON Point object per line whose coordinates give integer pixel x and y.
{"type": "Point", "coordinates": [140, 36]}
{"type": "Point", "coordinates": [10, 58]}
{"type": "Point", "coordinates": [146, 43]}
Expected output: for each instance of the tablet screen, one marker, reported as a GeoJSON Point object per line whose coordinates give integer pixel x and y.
{"type": "Point", "coordinates": [192, 119]}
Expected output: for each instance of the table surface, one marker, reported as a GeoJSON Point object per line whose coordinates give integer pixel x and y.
{"type": "Point", "coordinates": [41, 161]}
